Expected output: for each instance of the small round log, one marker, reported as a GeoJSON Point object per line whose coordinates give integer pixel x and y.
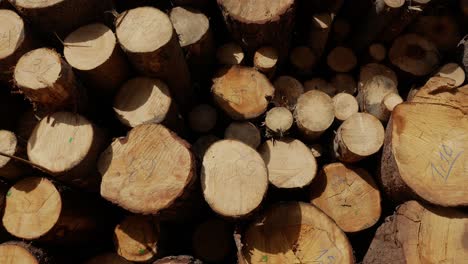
{"type": "Point", "coordinates": [414, 54]}
{"type": "Point", "coordinates": [68, 146]}
{"type": "Point", "coordinates": [345, 106]}
{"type": "Point", "coordinates": [233, 163]}
{"type": "Point", "coordinates": [156, 53]}
{"type": "Point", "coordinates": [290, 163]}
{"type": "Point", "coordinates": [314, 113]}
{"type": "Point", "coordinates": [265, 60]}
{"type": "Point", "coordinates": [202, 118]}
{"type": "Point", "coordinates": [287, 90]}
{"type": "Point", "coordinates": [46, 79]}
{"type": "Point", "coordinates": [136, 238]}
{"type": "Point", "coordinates": [302, 59]}
{"type": "Point", "coordinates": [93, 50]}
{"type": "Point", "coordinates": [295, 232]}
{"type": "Point", "coordinates": [242, 92]}
{"type": "Point", "coordinates": [36, 208]}
{"type": "Point", "coordinates": [452, 71]}
{"type": "Point", "coordinates": [195, 38]}
{"type": "Point", "coordinates": [244, 132]}
{"type": "Point", "coordinates": [348, 195]}
{"type": "Point", "coordinates": [144, 100]}
{"type": "Point", "coordinates": [377, 52]}
{"type": "Point", "coordinates": [230, 54]}
{"type": "Point", "coordinates": [341, 59]}
{"type": "Point", "coordinates": [279, 120]}
{"type": "Point", "coordinates": [23, 253]}
{"type": "Point", "coordinates": [360, 136]}
{"type": "Point", "coordinates": [15, 41]}
{"type": "Point", "coordinates": [150, 156]}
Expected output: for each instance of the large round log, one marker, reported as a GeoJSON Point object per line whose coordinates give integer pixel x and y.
{"type": "Point", "coordinates": [238, 166]}
{"type": "Point", "coordinates": [419, 233]}
{"type": "Point", "coordinates": [242, 92]}
{"type": "Point", "coordinates": [295, 232]}
{"type": "Point", "coordinates": [156, 53]}
{"type": "Point", "coordinates": [425, 142]}
{"type": "Point", "coordinates": [68, 145]}
{"type": "Point", "coordinates": [93, 50]}
{"type": "Point", "coordinates": [256, 23]}
{"type": "Point", "coordinates": [150, 170]}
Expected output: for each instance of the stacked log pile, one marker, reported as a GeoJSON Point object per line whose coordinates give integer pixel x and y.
{"type": "Point", "coordinates": [233, 131]}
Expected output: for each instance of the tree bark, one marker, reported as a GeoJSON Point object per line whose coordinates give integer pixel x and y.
{"type": "Point", "coordinates": [278, 121]}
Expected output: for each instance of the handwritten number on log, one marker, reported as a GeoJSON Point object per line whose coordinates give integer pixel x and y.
{"type": "Point", "coordinates": [443, 167]}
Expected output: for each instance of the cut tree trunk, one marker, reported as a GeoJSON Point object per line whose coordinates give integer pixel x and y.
{"type": "Point", "coordinates": [287, 91]}
{"type": "Point", "coordinates": [15, 41]}
{"type": "Point", "coordinates": [61, 16]}
{"type": "Point", "coordinates": [93, 50]}
{"type": "Point", "coordinates": [344, 83]}
{"type": "Point", "coordinates": [202, 118]}
{"type": "Point", "coordinates": [360, 136]}
{"type": "Point", "coordinates": [242, 92]}
{"type": "Point", "coordinates": [321, 85]}
{"type": "Point", "coordinates": [24, 253]}
{"type": "Point", "coordinates": [378, 17]}
{"type": "Point", "coordinates": [348, 195]}
{"type": "Point", "coordinates": [108, 258]}
{"type": "Point", "coordinates": [150, 156]}
{"type": "Point", "coordinates": [424, 146]}
{"type": "Point", "coordinates": [244, 132]}
{"type": "Point", "coordinates": [156, 53]}
{"type": "Point", "coordinates": [452, 71]}
{"type": "Point", "coordinates": [278, 121]}
{"type": "Point", "coordinates": [47, 80]}
{"type": "Point", "coordinates": [12, 169]}
{"type": "Point", "coordinates": [212, 241]}
{"type": "Point", "coordinates": [295, 232]}
{"type": "Point", "coordinates": [254, 23]}
{"type": "Point", "coordinates": [233, 162]}
{"type": "Point", "coordinates": [375, 82]}
{"type": "Point", "coordinates": [314, 113]}
{"type": "Point", "coordinates": [442, 31]}
{"type": "Point", "coordinates": [136, 238]}
{"type": "Point", "coordinates": [345, 106]}
{"type": "Point", "coordinates": [290, 163]}
{"type": "Point", "coordinates": [265, 60]}
{"type": "Point", "coordinates": [409, 13]}
{"type": "Point", "coordinates": [68, 145]}
{"type": "Point", "coordinates": [414, 54]}
{"type": "Point", "coordinates": [341, 59]}
{"type": "Point", "coordinates": [195, 38]}
{"type": "Point", "coordinates": [302, 60]}
{"type": "Point", "coordinates": [143, 100]}
{"type": "Point", "coordinates": [230, 54]}
{"type": "Point", "coordinates": [418, 233]}
{"type": "Point", "coordinates": [36, 208]}
{"type": "Point", "coordinates": [178, 260]}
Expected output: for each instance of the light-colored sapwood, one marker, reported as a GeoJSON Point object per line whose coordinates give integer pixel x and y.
{"type": "Point", "coordinates": [345, 105]}
{"type": "Point", "coordinates": [265, 60]}
{"type": "Point", "coordinates": [279, 120]}
{"type": "Point", "coordinates": [314, 113]}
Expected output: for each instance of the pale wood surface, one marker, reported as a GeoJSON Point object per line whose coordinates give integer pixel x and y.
{"type": "Point", "coordinates": [345, 105]}
{"type": "Point", "coordinates": [314, 113]}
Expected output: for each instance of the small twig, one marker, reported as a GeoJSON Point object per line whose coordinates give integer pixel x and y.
{"type": "Point", "coordinates": [39, 167]}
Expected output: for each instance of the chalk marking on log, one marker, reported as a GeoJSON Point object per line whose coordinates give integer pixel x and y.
{"type": "Point", "coordinates": [448, 158]}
